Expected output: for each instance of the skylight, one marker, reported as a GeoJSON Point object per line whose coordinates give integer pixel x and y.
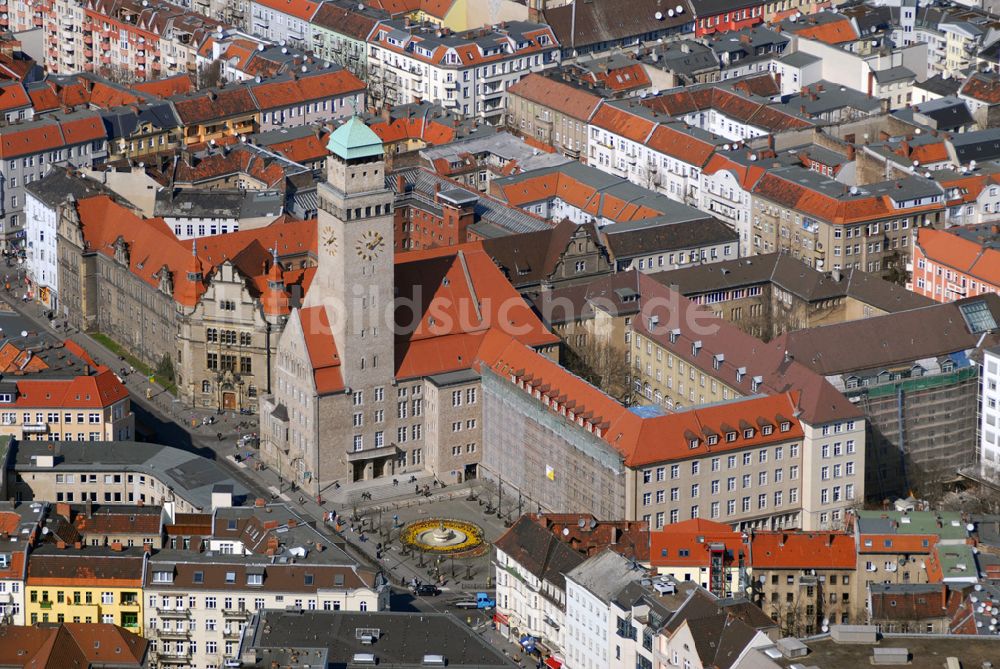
{"type": "Point", "coordinates": [978, 317]}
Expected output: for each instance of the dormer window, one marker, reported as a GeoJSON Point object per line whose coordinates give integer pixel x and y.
{"type": "Point", "coordinates": [713, 439]}
{"type": "Point", "coordinates": [163, 576]}
{"type": "Point", "coordinates": [785, 426]}
{"type": "Point", "coordinates": [748, 433]}
{"type": "Point", "coordinates": [255, 579]}
{"type": "Point", "coordinates": [766, 430]}
{"type": "Point", "coordinates": [674, 334]}
{"type": "Point", "coordinates": [6, 398]}
{"type": "Point", "coordinates": [717, 360]}
{"type": "Point", "coordinates": [740, 373]}
{"type": "Point", "coordinates": [731, 436]}
{"type": "Point", "coordinates": [230, 577]}
{"type": "Point", "coordinates": [755, 383]}
{"type": "Point", "coordinates": [693, 443]}
{"type": "Point", "coordinates": [695, 347]}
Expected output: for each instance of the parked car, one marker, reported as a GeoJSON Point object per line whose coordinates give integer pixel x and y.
{"type": "Point", "coordinates": [427, 590]}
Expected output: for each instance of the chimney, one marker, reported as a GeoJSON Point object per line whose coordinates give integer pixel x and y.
{"type": "Point", "coordinates": [850, 152]}
{"type": "Point", "coordinates": [147, 548]}
{"type": "Point", "coordinates": [116, 546]}
{"type": "Point", "coordinates": [89, 509]}
{"type": "Point", "coordinates": [829, 540]}
{"type": "Point", "coordinates": [62, 509]}
{"type": "Point", "coordinates": [387, 113]}
{"type": "Point", "coordinates": [437, 191]}
{"type": "Point", "coordinates": [259, 502]}
{"type": "Point", "coordinates": [78, 545]}
{"type": "Point", "coordinates": [784, 538]}
{"type": "Point", "coordinates": [61, 545]}
{"type": "Point", "coordinates": [400, 184]}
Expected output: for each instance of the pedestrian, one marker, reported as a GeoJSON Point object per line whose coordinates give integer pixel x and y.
{"type": "Point", "coordinates": [395, 483]}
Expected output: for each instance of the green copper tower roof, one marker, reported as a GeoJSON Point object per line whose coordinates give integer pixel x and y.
{"type": "Point", "coordinates": [354, 140]}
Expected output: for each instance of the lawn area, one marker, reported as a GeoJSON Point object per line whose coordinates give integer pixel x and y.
{"type": "Point", "coordinates": [141, 367]}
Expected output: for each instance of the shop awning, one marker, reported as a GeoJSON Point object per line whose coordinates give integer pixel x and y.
{"type": "Point", "coordinates": [552, 663]}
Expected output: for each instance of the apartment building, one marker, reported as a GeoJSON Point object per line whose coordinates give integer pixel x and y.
{"type": "Point", "coordinates": [630, 141]}
{"type": "Point", "coordinates": [829, 226]}
{"type": "Point", "coordinates": [467, 72]}
{"type": "Point", "coordinates": [531, 563]}
{"type": "Point", "coordinates": [805, 581]}
{"type": "Point", "coordinates": [54, 391]}
{"type": "Point", "coordinates": [197, 603]}
{"type": "Point", "coordinates": [910, 547]}
{"type": "Point", "coordinates": [284, 22]}
{"type": "Point", "coordinates": [913, 390]}
{"type": "Point", "coordinates": [989, 428]}
{"type": "Point", "coordinates": [340, 33]}
{"type": "Point", "coordinates": [27, 152]}
{"type": "Point", "coordinates": [552, 111]}
{"type": "Point", "coordinates": [769, 294]}
{"type": "Point", "coordinates": [85, 584]}
{"type": "Point", "coordinates": [118, 473]}
{"type": "Point", "coordinates": [956, 263]}
{"type": "Point", "coordinates": [707, 553]}
{"type": "Point", "coordinates": [21, 529]}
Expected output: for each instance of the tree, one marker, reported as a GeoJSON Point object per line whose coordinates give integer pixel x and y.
{"type": "Point", "coordinates": [896, 269]}
{"type": "Point", "coordinates": [119, 74]}
{"type": "Point", "coordinates": [600, 363]}
{"type": "Point", "coordinates": [210, 74]}
{"type": "Point", "coordinates": [165, 368]}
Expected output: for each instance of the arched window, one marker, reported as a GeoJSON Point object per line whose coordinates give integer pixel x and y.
{"type": "Point", "coordinates": [206, 387]}
{"type": "Point", "coordinates": [363, 606]}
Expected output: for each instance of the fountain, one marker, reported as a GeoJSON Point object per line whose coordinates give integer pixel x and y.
{"type": "Point", "coordinates": [442, 536]}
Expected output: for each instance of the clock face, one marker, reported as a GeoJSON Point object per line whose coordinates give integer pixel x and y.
{"type": "Point", "coordinates": [329, 239]}
{"type": "Point", "coordinates": [370, 245]}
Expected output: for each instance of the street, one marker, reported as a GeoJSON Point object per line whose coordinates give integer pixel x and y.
{"type": "Point", "coordinates": [371, 522]}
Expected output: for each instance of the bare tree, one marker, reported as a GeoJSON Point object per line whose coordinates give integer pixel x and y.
{"type": "Point", "coordinates": [210, 74]}
{"type": "Point", "coordinates": [600, 363]}
{"type": "Point", "coordinates": [119, 74]}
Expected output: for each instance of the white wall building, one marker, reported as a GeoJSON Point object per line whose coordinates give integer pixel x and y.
{"type": "Point", "coordinates": [469, 73]}
{"type": "Point", "coordinates": [989, 430]}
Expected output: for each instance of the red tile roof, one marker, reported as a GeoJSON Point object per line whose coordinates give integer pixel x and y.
{"type": "Point", "coordinates": [72, 645]}
{"type": "Point", "coordinates": [557, 95]}
{"type": "Point", "coordinates": [299, 89]}
{"type": "Point", "coordinates": [640, 441]}
{"type": "Point", "coordinates": [397, 130]}
{"type": "Point", "coordinates": [97, 391]}
{"type": "Point", "coordinates": [803, 550]}
{"type": "Point", "coordinates": [982, 87]}
{"type": "Point", "coordinates": [303, 149]}
{"type": "Point", "coordinates": [830, 32]}
{"type": "Point", "coordinates": [47, 134]}
{"type": "Point", "coordinates": [322, 349]}
{"type": "Point", "coordinates": [470, 298]}
{"type": "Point", "coordinates": [164, 88]}
{"type": "Point", "coordinates": [623, 123]}
{"type": "Point", "coordinates": [153, 247]}
{"type": "Point", "coordinates": [621, 78]}
{"type": "Point", "coordinates": [13, 96]}
{"type": "Point", "coordinates": [979, 261]}
{"type": "Point", "coordinates": [693, 538]}
{"type": "Point", "coordinates": [897, 543]}
{"type": "Point", "coordinates": [300, 9]}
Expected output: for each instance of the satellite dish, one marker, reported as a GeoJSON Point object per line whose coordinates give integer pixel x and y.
{"type": "Point", "coordinates": [284, 50]}
{"type": "Point", "coordinates": [854, 190]}
{"type": "Point", "coordinates": [658, 16]}
{"type": "Point", "coordinates": [281, 43]}
{"type": "Point", "coordinates": [916, 163]}
{"type": "Point", "coordinates": [753, 157]}
{"type": "Point", "coordinates": [826, 628]}
{"type": "Point", "coordinates": [565, 532]}
{"type": "Point", "coordinates": [260, 47]}
{"type": "Point", "coordinates": [305, 69]}
{"type": "Point", "coordinates": [972, 164]}
{"type": "Point", "coordinates": [212, 142]}
{"type": "Point", "coordinates": [978, 588]}
{"type": "Point", "coordinates": [679, 9]}
{"type": "Point", "coordinates": [971, 528]}
{"type": "Point", "coordinates": [793, 19]}
{"type": "Point", "coordinates": [917, 131]}
{"type": "Point", "coordinates": [361, 6]}
{"type": "Point", "coordinates": [24, 333]}
{"type": "Point", "coordinates": [670, 13]}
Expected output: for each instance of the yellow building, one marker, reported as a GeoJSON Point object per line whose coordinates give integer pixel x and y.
{"type": "Point", "coordinates": [85, 584]}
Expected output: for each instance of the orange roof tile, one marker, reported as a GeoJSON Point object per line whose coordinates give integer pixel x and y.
{"type": "Point", "coordinates": [802, 550]}
{"type": "Point", "coordinates": [164, 88]}
{"type": "Point", "coordinates": [300, 9]}
{"type": "Point", "coordinates": [295, 90]}
{"type": "Point", "coordinates": [557, 95]}
{"type": "Point", "coordinates": [13, 96]}
{"type": "Point", "coordinates": [960, 253]}
{"type": "Point", "coordinates": [432, 132]}
{"type": "Point", "coordinates": [621, 78]}
{"type": "Point", "coordinates": [623, 123]}
{"type": "Point", "coordinates": [303, 149]}
{"type": "Point", "coordinates": [831, 32]}
{"type": "Point", "coordinates": [693, 538]}
{"type": "Point", "coordinates": [82, 392]}
{"type": "Point", "coordinates": [322, 349]}
{"type": "Point", "coordinates": [897, 543]}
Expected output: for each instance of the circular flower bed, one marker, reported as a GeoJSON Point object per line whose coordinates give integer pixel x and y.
{"type": "Point", "coordinates": [472, 535]}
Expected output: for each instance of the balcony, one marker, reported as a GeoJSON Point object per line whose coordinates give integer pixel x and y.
{"type": "Point", "coordinates": [173, 658]}
{"type": "Point", "coordinates": [179, 635]}
{"type": "Point", "coordinates": [173, 613]}
{"type": "Point", "coordinates": [45, 605]}
{"type": "Point", "coordinates": [240, 614]}
{"type": "Point", "coordinates": [232, 633]}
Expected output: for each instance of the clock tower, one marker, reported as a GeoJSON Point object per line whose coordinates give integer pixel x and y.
{"type": "Point", "coordinates": [354, 274]}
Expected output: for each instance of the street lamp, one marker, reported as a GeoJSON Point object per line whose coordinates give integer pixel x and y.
{"type": "Point", "coordinates": [239, 383]}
